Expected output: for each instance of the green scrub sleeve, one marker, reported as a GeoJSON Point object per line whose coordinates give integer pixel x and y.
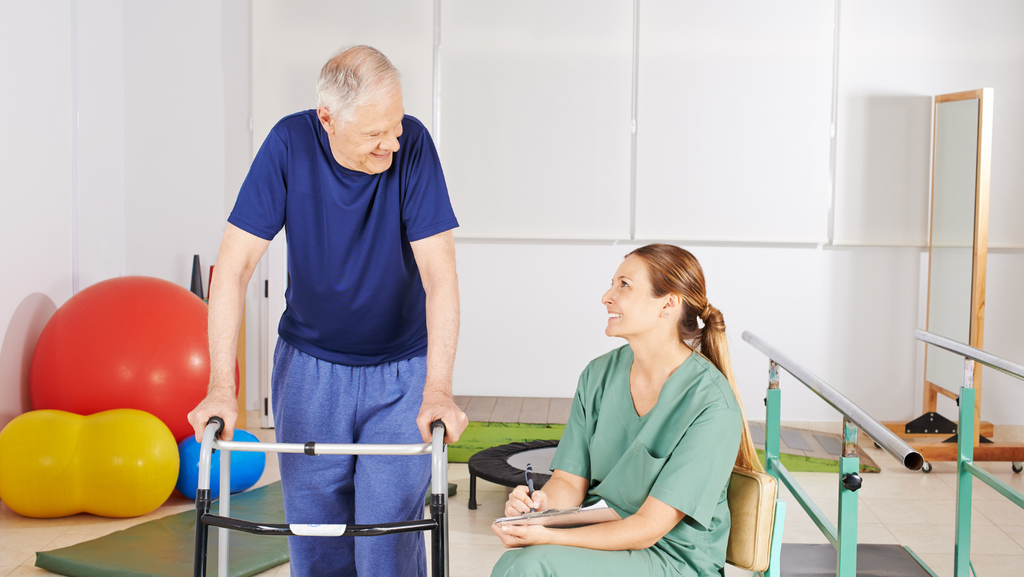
{"type": "Point", "coordinates": [695, 476]}
{"type": "Point", "coordinates": [573, 453]}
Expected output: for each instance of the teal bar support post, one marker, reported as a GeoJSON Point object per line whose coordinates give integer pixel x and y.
{"type": "Point", "coordinates": [964, 478]}
{"type": "Point", "coordinates": [773, 420]}
{"type": "Point", "coordinates": [774, 570]}
{"type": "Point", "coordinates": [849, 483]}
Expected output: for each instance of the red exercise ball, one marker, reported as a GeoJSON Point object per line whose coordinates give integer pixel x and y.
{"type": "Point", "coordinates": [126, 343]}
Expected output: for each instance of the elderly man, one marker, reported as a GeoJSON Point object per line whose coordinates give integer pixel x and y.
{"type": "Point", "coordinates": [367, 342]}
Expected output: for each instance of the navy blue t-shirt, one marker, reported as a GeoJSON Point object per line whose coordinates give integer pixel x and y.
{"type": "Point", "coordinates": [354, 295]}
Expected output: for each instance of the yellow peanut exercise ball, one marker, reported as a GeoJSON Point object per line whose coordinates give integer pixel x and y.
{"type": "Point", "coordinates": [118, 463]}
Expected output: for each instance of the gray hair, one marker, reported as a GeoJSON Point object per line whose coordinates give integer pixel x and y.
{"type": "Point", "coordinates": [355, 75]}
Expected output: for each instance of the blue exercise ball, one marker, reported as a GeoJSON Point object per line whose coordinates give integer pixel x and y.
{"type": "Point", "coordinates": [246, 467]}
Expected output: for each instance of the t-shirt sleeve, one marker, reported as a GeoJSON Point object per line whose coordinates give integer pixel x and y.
{"type": "Point", "coordinates": [698, 470]}
{"type": "Point", "coordinates": [426, 207]}
{"type": "Point", "coordinates": [573, 453]}
{"type": "Point", "coordinates": [260, 206]}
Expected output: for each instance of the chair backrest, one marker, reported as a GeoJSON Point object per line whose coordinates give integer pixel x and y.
{"type": "Point", "coordinates": [752, 496]}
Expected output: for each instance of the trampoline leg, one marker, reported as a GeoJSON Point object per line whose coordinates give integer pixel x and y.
{"type": "Point", "coordinates": [202, 530]}
{"type": "Point", "coordinates": [472, 490]}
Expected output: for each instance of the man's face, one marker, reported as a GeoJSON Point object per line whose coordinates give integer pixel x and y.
{"type": "Point", "coordinates": [368, 140]}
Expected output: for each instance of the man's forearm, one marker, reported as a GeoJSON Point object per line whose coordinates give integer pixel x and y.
{"type": "Point", "coordinates": [225, 317]}
{"type": "Point", "coordinates": [442, 333]}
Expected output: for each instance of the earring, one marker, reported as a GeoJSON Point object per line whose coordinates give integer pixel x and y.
{"type": "Point", "coordinates": [664, 315]}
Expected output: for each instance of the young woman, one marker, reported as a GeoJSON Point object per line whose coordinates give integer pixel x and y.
{"type": "Point", "coordinates": [655, 429]}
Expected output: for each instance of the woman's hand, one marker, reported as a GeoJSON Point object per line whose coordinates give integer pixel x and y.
{"type": "Point", "coordinates": [522, 535]}
{"type": "Point", "coordinates": [519, 501]}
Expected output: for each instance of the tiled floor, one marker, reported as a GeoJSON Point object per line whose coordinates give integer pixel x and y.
{"type": "Point", "coordinates": [896, 507]}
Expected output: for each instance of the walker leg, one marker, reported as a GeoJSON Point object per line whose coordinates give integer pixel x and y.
{"type": "Point", "coordinates": [202, 530]}
{"type": "Point", "coordinates": [438, 539]}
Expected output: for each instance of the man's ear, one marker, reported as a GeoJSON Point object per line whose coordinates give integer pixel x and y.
{"type": "Point", "coordinates": [325, 119]}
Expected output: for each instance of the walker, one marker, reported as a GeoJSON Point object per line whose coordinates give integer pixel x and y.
{"type": "Point", "coordinates": [437, 524]}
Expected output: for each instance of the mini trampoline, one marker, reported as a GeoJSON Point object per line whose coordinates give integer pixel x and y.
{"type": "Point", "coordinates": [506, 465]}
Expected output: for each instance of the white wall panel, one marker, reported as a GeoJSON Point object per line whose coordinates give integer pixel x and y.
{"type": "Point", "coordinates": [291, 42]}
{"type": "Point", "coordinates": [532, 319]}
{"type": "Point", "coordinates": [894, 57]}
{"type": "Point", "coordinates": [734, 115]}
{"type": "Point", "coordinates": [176, 132]}
{"type": "Point", "coordinates": [36, 143]}
{"type": "Point", "coordinates": [536, 117]}
{"type": "Point", "coordinates": [102, 242]}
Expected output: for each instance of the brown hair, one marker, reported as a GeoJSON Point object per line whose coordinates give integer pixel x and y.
{"type": "Point", "coordinates": [675, 271]}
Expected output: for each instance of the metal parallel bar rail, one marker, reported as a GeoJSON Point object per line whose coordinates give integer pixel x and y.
{"type": "Point", "coordinates": [977, 355]}
{"type": "Point", "coordinates": [437, 525]}
{"type": "Point", "coordinates": [966, 470]}
{"type": "Point", "coordinates": [843, 538]}
{"type": "Point", "coordinates": [886, 439]}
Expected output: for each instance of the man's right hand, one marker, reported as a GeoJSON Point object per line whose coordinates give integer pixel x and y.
{"type": "Point", "coordinates": [219, 402]}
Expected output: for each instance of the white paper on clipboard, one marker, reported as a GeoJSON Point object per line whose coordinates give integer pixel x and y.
{"type": "Point", "coordinates": [599, 512]}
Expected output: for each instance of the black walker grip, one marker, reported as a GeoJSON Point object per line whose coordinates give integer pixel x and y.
{"type": "Point", "coordinates": [220, 425]}
{"type": "Point", "coordinates": [438, 423]}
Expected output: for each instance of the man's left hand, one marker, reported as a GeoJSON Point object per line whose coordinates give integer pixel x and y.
{"type": "Point", "coordinates": [439, 405]}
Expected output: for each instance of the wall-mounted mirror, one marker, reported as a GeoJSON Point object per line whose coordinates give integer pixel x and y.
{"type": "Point", "coordinates": [958, 239]}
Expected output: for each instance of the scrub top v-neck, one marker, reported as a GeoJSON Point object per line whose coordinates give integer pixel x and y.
{"type": "Point", "coordinates": [680, 452]}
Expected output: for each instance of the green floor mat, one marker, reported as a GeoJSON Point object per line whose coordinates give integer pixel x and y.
{"type": "Point", "coordinates": [479, 436]}
{"type": "Point", "coordinates": [801, 464]}
{"type": "Point", "coordinates": [166, 546]}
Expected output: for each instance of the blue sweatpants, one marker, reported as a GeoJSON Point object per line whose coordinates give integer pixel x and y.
{"type": "Point", "coordinates": [315, 400]}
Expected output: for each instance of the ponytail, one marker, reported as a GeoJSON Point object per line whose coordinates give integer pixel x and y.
{"type": "Point", "coordinates": [715, 347]}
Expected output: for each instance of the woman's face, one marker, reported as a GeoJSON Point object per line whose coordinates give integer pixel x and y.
{"type": "Point", "coordinates": [632, 311]}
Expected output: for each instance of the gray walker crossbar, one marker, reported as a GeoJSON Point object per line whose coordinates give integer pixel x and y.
{"type": "Point", "coordinates": [437, 524]}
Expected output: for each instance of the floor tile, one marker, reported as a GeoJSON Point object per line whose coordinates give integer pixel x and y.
{"type": "Point", "coordinates": [535, 410]}
{"type": "Point", "coordinates": [506, 410]}
{"type": "Point", "coordinates": [940, 538]}
{"type": "Point", "coordinates": [998, 565]}
{"type": "Point", "coordinates": [480, 408]}
{"type": "Point", "coordinates": [558, 412]}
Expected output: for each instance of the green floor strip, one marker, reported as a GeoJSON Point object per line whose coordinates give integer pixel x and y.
{"type": "Point", "coordinates": [166, 546]}
{"type": "Point", "coordinates": [801, 464]}
{"type": "Point", "coordinates": [479, 436]}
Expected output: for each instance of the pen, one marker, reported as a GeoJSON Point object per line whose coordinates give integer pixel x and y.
{"type": "Point", "coordinates": [529, 483]}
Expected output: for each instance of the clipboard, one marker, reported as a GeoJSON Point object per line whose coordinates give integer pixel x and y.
{"type": "Point", "coordinates": [599, 512]}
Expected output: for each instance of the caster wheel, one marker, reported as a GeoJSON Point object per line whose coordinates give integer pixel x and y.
{"type": "Point", "coordinates": [1017, 467]}
{"type": "Point", "coordinates": [926, 468]}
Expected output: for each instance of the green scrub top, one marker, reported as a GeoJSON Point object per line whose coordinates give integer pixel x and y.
{"type": "Point", "coordinates": [681, 452]}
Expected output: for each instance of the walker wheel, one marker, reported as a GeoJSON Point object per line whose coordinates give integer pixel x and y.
{"type": "Point", "coordinates": [926, 468]}
{"type": "Point", "coordinates": [1017, 467]}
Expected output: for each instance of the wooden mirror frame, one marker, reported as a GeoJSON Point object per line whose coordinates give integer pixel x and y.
{"type": "Point", "coordinates": [980, 251]}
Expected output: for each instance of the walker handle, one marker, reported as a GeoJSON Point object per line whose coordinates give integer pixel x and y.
{"type": "Point", "coordinates": [220, 425]}
{"type": "Point", "coordinates": [434, 425]}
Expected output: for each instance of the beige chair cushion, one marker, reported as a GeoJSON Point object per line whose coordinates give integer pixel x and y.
{"type": "Point", "coordinates": [752, 507]}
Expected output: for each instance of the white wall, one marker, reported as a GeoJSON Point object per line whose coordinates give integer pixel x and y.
{"type": "Point", "coordinates": [36, 139]}
{"type": "Point", "coordinates": [181, 62]}
{"type": "Point", "coordinates": [124, 127]}
{"type": "Point", "coordinates": [162, 144]}
{"type": "Point", "coordinates": [533, 312]}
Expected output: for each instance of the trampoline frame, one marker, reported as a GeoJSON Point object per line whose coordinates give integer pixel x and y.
{"type": "Point", "coordinates": [437, 524]}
